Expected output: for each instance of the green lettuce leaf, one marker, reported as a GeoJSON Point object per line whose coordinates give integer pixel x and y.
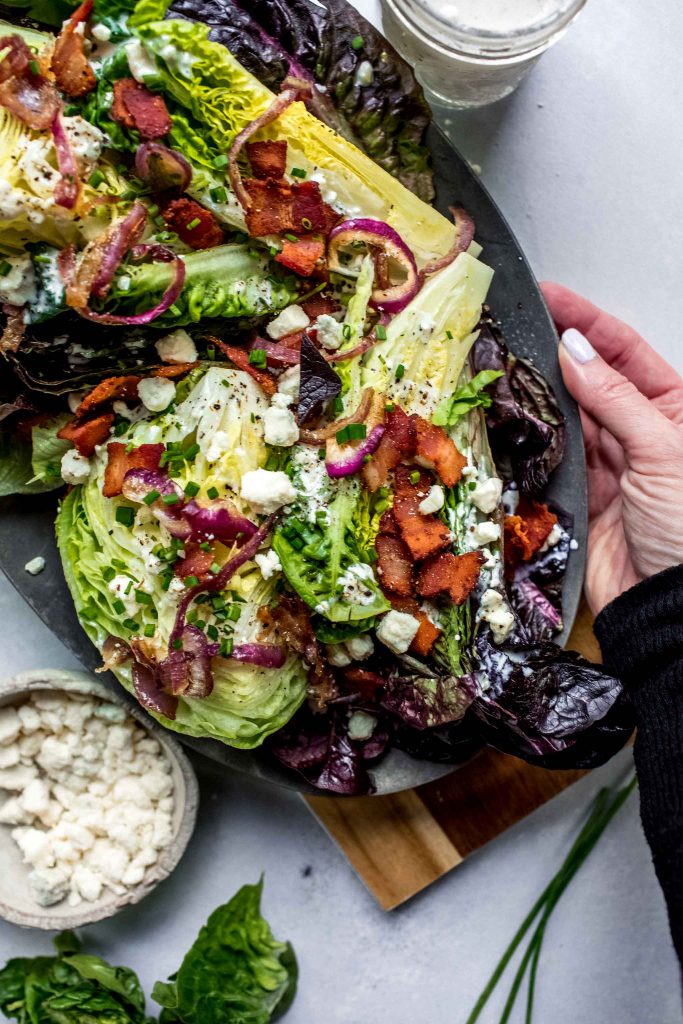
{"type": "Point", "coordinates": [48, 450]}
{"type": "Point", "coordinates": [235, 972]}
{"type": "Point", "coordinates": [248, 703]}
{"type": "Point", "coordinates": [465, 398]}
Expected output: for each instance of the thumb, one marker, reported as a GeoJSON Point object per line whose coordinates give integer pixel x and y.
{"type": "Point", "coordinates": [612, 400]}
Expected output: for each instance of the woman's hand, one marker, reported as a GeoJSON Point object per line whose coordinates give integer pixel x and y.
{"type": "Point", "coordinates": [632, 413]}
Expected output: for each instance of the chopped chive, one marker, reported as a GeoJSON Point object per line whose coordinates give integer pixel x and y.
{"type": "Point", "coordinates": [191, 451]}
{"type": "Point", "coordinates": [307, 223]}
{"type": "Point", "coordinates": [381, 332]}
{"type": "Point", "coordinates": [177, 645]}
{"type": "Point", "coordinates": [215, 568]}
{"type": "Point", "coordinates": [226, 648]}
{"type": "Point", "coordinates": [142, 598]}
{"type": "Point", "coordinates": [291, 238]}
{"type": "Point", "coordinates": [347, 332]}
{"type": "Point", "coordinates": [130, 624]}
{"type": "Point", "coordinates": [220, 161]}
{"type": "Point", "coordinates": [170, 499]}
{"type": "Point", "coordinates": [400, 370]}
{"type": "Point", "coordinates": [200, 623]}
{"type": "Point", "coordinates": [234, 612]}
{"type": "Point", "coordinates": [166, 582]}
{"type": "Point", "coordinates": [96, 179]}
{"type": "Point", "coordinates": [338, 405]}
{"type": "Point", "coordinates": [121, 427]}
{"type": "Point", "coordinates": [151, 497]}
{"type": "Point", "coordinates": [212, 493]}
{"type": "Point", "coordinates": [205, 546]}
{"type": "Point", "coordinates": [367, 458]}
{"type": "Point", "coordinates": [449, 335]}
{"type": "Point", "coordinates": [33, 67]}
{"type": "Point", "coordinates": [149, 630]}
{"type": "Point", "coordinates": [298, 172]}
{"type": "Point", "coordinates": [192, 224]}
{"type": "Point", "coordinates": [108, 574]}
{"type": "Point", "coordinates": [191, 581]}
{"type": "Point", "coordinates": [415, 476]}
{"type": "Point", "coordinates": [351, 432]}
{"type": "Point", "coordinates": [119, 606]}
{"type": "Point", "coordinates": [160, 222]}
{"type": "Point", "coordinates": [125, 515]}
{"type": "Point", "coordinates": [219, 194]}
{"type": "Point", "coordinates": [129, 587]}
{"type": "Point", "coordinates": [191, 488]}
{"type": "Point", "coordinates": [357, 43]}
{"type": "Point", "coordinates": [389, 407]}
{"type": "Point", "coordinates": [258, 357]}
{"type": "Point", "coordinates": [5, 268]}
{"type": "Point", "coordinates": [212, 632]}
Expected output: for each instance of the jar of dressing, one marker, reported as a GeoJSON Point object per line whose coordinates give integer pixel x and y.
{"type": "Point", "coordinates": [467, 53]}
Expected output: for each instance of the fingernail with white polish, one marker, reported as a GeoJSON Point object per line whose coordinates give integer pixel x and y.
{"type": "Point", "coordinates": [578, 347]}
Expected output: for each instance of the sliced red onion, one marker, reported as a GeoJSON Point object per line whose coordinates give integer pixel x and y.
{"type": "Point", "coordinates": [265, 655]}
{"type": "Point", "coordinates": [218, 521]}
{"type": "Point", "coordinates": [137, 484]}
{"type": "Point", "coordinates": [162, 168]}
{"type": "Point", "coordinates": [324, 433]}
{"type": "Point", "coordinates": [123, 235]}
{"type": "Point", "coordinates": [292, 89]}
{"type": "Point", "coordinates": [164, 255]}
{"type": "Point", "coordinates": [362, 347]}
{"type": "Point", "coordinates": [148, 689]}
{"type": "Point", "coordinates": [277, 356]}
{"type": "Point", "coordinates": [115, 652]}
{"type": "Point", "coordinates": [463, 239]}
{"type": "Point", "coordinates": [221, 579]}
{"type": "Point", "coordinates": [69, 185]}
{"type": "Point", "coordinates": [386, 243]}
{"type": "Point", "coordinates": [187, 670]}
{"type": "Point", "coordinates": [347, 460]}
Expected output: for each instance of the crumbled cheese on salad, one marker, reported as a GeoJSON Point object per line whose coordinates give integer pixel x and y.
{"type": "Point", "coordinates": [486, 495]}
{"type": "Point", "coordinates": [156, 393]}
{"type": "Point", "coordinates": [397, 630]}
{"type": "Point", "coordinates": [75, 468]}
{"type": "Point", "coordinates": [269, 563]}
{"type": "Point", "coordinates": [279, 425]}
{"type": "Point", "coordinates": [267, 490]}
{"type": "Point", "coordinates": [494, 610]}
{"type": "Point", "coordinates": [352, 584]}
{"type": "Point", "coordinates": [289, 321]}
{"type": "Point", "coordinates": [90, 796]}
{"type": "Point", "coordinates": [177, 347]}
{"type": "Point", "coordinates": [433, 500]}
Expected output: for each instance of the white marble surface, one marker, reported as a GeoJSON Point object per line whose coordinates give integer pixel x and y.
{"type": "Point", "coordinates": [584, 161]}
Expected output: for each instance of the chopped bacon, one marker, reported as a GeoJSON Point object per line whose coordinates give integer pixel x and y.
{"type": "Point", "coordinates": [87, 435]}
{"type": "Point", "coordinates": [194, 224]}
{"type": "Point", "coordinates": [387, 524]}
{"type": "Point", "coordinates": [196, 562]}
{"type": "Point", "coordinates": [319, 304]}
{"type": "Point", "coordinates": [301, 256]}
{"type": "Point", "coordinates": [171, 372]}
{"type": "Point", "coordinates": [436, 451]}
{"type": "Point", "coordinates": [424, 535]}
{"type": "Point", "coordinates": [455, 575]}
{"type": "Point", "coordinates": [30, 97]}
{"type": "Point", "coordinates": [276, 207]}
{"type": "Point", "coordinates": [426, 636]}
{"type": "Point", "coordinates": [240, 358]}
{"type": "Point", "coordinates": [398, 442]}
{"type": "Point", "coordinates": [107, 391]}
{"type": "Point", "coordinates": [270, 207]}
{"type": "Point", "coordinates": [14, 329]}
{"type": "Point", "coordinates": [394, 565]}
{"type": "Point", "coordinates": [134, 106]}
{"type": "Point", "coordinates": [70, 66]}
{"type": "Point", "coordinates": [308, 208]}
{"type": "Point", "coordinates": [146, 456]}
{"type": "Point", "coordinates": [267, 159]}
{"type": "Point", "coordinates": [526, 532]}
{"type": "Point", "coordinates": [363, 682]}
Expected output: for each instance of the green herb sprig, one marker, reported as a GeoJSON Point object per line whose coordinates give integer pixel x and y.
{"type": "Point", "coordinates": [605, 806]}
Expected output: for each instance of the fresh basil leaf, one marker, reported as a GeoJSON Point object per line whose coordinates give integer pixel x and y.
{"type": "Point", "coordinates": [465, 398]}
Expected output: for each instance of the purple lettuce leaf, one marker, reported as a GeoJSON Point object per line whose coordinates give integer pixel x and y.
{"type": "Point", "coordinates": [425, 703]}
{"type": "Point", "coordinates": [536, 590]}
{"type": "Point", "coordinates": [525, 424]}
{"type": "Point", "coordinates": [548, 706]}
{"type": "Point", "coordinates": [382, 111]}
{"type": "Point", "coordinates": [318, 381]}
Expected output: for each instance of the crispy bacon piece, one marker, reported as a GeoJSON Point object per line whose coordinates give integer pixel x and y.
{"type": "Point", "coordinates": [270, 207]}
{"type": "Point", "coordinates": [319, 304]}
{"type": "Point", "coordinates": [134, 106]}
{"type": "Point", "coordinates": [398, 442]}
{"type": "Point", "coordinates": [455, 575]}
{"type": "Point", "coordinates": [171, 372]}
{"type": "Point", "coordinates": [301, 256]}
{"type": "Point", "coordinates": [424, 535]}
{"type": "Point", "coordinates": [240, 358]}
{"type": "Point", "coordinates": [88, 434]}
{"type": "Point", "coordinates": [526, 532]}
{"type": "Point", "coordinates": [427, 633]}
{"type": "Point", "coordinates": [267, 159]}
{"type": "Point", "coordinates": [70, 66]}
{"type": "Point", "coordinates": [387, 524]}
{"type": "Point", "coordinates": [196, 562]}
{"type": "Point", "coordinates": [14, 329]}
{"type": "Point", "coordinates": [363, 682]}
{"type": "Point", "coordinates": [292, 620]}
{"type": "Point", "coordinates": [108, 391]}
{"type": "Point", "coordinates": [146, 456]}
{"type": "Point", "coordinates": [30, 97]}
{"type": "Point", "coordinates": [435, 450]}
{"type": "Point", "coordinates": [394, 565]}
{"type": "Point", "coordinates": [194, 224]}
{"type": "Point", "coordinates": [308, 208]}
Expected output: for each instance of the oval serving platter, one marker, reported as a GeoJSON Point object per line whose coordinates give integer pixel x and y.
{"type": "Point", "coordinates": [27, 523]}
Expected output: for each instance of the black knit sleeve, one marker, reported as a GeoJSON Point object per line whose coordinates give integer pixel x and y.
{"type": "Point", "coordinates": [641, 636]}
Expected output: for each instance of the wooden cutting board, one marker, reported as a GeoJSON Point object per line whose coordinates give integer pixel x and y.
{"type": "Point", "coordinates": [402, 843]}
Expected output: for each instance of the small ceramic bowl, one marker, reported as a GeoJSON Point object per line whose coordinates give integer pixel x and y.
{"type": "Point", "coordinates": [17, 903]}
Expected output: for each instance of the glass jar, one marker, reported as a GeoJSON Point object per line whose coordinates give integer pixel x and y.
{"type": "Point", "coordinates": [468, 53]}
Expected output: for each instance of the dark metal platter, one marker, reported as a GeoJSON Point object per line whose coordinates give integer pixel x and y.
{"type": "Point", "coordinates": [27, 523]}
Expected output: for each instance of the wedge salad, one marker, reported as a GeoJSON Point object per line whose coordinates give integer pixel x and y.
{"type": "Point", "coordinates": [306, 477]}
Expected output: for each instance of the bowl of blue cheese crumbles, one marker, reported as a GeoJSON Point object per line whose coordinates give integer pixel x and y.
{"type": "Point", "coordinates": [97, 803]}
